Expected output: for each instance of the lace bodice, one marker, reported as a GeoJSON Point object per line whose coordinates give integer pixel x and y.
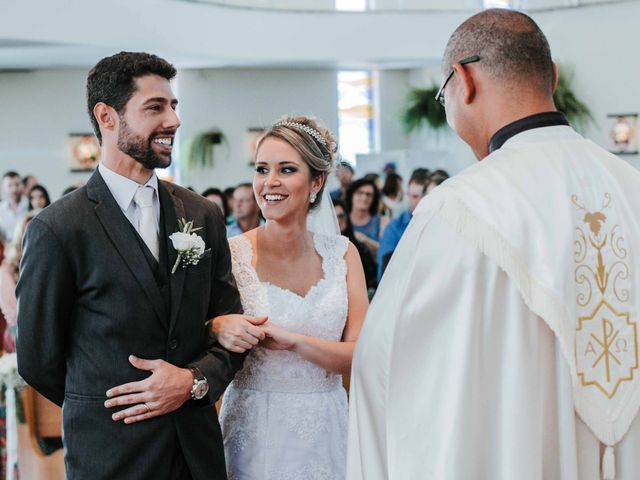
{"type": "Point", "coordinates": [284, 417]}
{"type": "Point", "coordinates": [320, 313]}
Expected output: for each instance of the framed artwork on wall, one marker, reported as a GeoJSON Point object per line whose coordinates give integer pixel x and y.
{"type": "Point", "coordinates": [84, 152]}
{"type": "Point", "coordinates": [252, 137]}
{"type": "Point", "coordinates": [623, 133]}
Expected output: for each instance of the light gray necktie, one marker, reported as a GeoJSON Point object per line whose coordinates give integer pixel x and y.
{"type": "Point", "coordinates": [147, 226]}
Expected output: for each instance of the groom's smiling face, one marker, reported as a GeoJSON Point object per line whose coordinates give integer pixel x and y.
{"type": "Point", "coordinates": [148, 123]}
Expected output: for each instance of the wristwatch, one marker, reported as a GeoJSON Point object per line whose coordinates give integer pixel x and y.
{"type": "Point", "coordinates": [200, 386]}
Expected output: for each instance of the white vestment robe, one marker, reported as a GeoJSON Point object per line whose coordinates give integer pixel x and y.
{"type": "Point", "coordinates": [488, 350]}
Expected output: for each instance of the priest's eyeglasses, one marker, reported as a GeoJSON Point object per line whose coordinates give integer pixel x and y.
{"type": "Point", "coordinates": [464, 61]}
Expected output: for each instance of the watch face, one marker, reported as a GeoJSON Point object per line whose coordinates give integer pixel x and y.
{"type": "Point", "coordinates": [200, 390]}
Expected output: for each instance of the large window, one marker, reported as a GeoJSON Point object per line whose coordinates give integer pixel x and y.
{"type": "Point", "coordinates": [351, 5]}
{"type": "Point", "coordinates": [356, 119]}
{"type": "Point", "coordinates": [498, 3]}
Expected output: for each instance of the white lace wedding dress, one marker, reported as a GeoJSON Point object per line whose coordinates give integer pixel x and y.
{"type": "Point", "coordinates": [283, 417]}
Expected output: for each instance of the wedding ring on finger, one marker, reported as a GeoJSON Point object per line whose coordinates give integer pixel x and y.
{"type": "Point", "coordinates": [147, 407]}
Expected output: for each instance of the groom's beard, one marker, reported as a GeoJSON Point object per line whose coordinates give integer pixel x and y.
{"type": "Point", "coordinates": [140, 149]}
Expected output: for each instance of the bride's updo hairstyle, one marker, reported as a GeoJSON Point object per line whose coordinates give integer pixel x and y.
{"type": "Point", "coordinates": [315, 144]}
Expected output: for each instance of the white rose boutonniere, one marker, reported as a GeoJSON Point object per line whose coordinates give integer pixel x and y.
{"type": "Point", "coordinates": [189, 246]}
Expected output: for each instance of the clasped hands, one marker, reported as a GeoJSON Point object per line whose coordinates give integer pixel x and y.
{"type": "Point", "coordinates": [168, 386]}
{"type": "Point", "coordinates": [239, 333]}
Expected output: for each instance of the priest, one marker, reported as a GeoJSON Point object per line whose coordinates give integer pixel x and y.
{"type": "Point", "coordinates": [503, 340]}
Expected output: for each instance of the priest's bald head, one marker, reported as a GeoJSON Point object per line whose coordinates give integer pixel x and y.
{"type": "Point", "coordinates": [502, 72]}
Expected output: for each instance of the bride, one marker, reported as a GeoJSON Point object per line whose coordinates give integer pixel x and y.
{"type": "Point", "coordinates": [285, 414]}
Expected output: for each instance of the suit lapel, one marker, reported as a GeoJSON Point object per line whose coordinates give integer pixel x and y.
{"type": "Point", "coordinates": [122, 236]}
{"type": "Point", "coordinates": [172, 209]}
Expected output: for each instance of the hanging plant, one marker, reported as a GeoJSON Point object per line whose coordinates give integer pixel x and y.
{"type": "Point", "coordinates": [577, 112]}
{"type": "Point", "coordinates": [200, 149]}
{"type": "Point", "coordinates": [422, 108]}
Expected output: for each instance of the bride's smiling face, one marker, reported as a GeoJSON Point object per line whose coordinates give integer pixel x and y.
{"type": "Point", "coordinates": [282, 182]}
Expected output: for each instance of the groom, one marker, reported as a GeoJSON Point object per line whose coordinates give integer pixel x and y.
{"type": "Point", "coordinates": [107, 330]}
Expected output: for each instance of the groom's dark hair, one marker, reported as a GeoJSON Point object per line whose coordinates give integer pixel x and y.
{"type": "Point", "coordinates": [112, 80]}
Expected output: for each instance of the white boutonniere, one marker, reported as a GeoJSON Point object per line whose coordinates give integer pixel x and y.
{"type": "Point", "coordinates": [189, 246]}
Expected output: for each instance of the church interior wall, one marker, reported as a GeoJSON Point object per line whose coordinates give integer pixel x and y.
{"type": "Point", "coordinates": [42, 107]}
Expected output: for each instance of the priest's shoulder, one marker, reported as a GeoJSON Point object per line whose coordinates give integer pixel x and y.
{"type": "Point", "coordinates": [499, 167]}
{"type": "Point", "coordinates": [477, 182]}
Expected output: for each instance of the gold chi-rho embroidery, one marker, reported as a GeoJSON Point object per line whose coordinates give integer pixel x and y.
{"type": "Point", "coordinates": [606, 341]}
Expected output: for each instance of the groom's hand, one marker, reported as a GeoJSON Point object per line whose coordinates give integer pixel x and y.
{"type": "Point", "coordinates": [164, 391]}
{"type": "Point", "coordinates": [238, 333]}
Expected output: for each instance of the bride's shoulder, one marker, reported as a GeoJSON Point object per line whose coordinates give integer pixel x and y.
{"type": "Point", "coordinates": [237, 240]}
{"type": "Point", "coordinates": [241, 248]}
{"type": "Point", "coordinates": [244, 238]}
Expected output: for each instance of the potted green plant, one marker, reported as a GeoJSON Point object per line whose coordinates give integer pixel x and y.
{"type": "Point", "coordinates": [423, 109]}
{"type": "Point", "coordinates": [576, 111]}
{"type": "Point", "coordinates": [199, 151]}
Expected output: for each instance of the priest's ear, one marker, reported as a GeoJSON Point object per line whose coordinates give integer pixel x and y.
{"type": "Point", "coordinates": [555, 78]}
{"type": "Point", "coordinates": [105, 116]}
{"type": "Point", "coordinates": [466, 80]}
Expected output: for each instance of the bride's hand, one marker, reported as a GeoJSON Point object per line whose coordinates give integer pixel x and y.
{"type": "Point", "coordinates": [277, 338]}
{"type": "Point", "coordinates": [238, 333]}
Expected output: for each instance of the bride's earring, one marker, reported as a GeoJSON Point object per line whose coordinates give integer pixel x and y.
{"type": "Point", "coordinates": [312, 197]}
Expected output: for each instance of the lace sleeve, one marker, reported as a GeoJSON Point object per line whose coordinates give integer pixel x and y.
{"type": "Point", "coordinates": [240, 251]}
{"type": "Point", "coordinates": [246, 277]}
{"type": "Point", "coordinates": [332, 249]}
{"type": "Point", "coordinates": [331, 246]}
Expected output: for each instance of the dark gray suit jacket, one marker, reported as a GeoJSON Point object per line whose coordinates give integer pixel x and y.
{"type": "Point", "coordinates": [88, 298]}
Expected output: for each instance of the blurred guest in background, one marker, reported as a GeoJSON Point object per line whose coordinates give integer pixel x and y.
{"type": "Point", "coordinates": [28, 182]}
{"type": "Point", "coordinates": [363, 201]}
{"type": "Point", "coordinates": [422, 172]}
{"type": "Point", "coordinates": [436, 178]}
{"type": "Point", "coordinates": [344, 172]}
{"type": "Point", "coordinates": [216, 196]}
{"type": "Point", "coordinates": [375, 178]}
{"type": "Point", "coordinates": [245, 210]}
{"type": "Point", "coordinates": [368, 262]}
{"type": "Point", "coordinates": [397, 226]}
{"type": "Point", "coordinates": [228, 195]}
{"type": "Point", "coordinates": [392, 195]}
{"type": "Point", "coordinates": [389, 167]}
{"type": "Point", "coordinates": [38, 198]}
{"type": "Point", "coordinates": [8, 280]}
{"type": "Point", "coordinates": [13, 205]}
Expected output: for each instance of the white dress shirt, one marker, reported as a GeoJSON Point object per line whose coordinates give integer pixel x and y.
{"type": "Point", "coordinates": [123, 189]}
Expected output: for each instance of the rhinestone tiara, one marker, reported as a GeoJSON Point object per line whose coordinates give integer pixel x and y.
{"type": "Point", "coordinates": [305, 128]}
